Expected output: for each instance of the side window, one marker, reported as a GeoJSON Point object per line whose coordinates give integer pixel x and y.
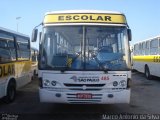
{"type": "Point", "coordinates": [143, 48]}
{"type": "Point", "coordinates": [18, 52]}
{"type": "Point", "coordinates": [4, 51]}
{"type": "Point", "coordinates": [5, 55]}
{"type": "Point", "coordinates": [23, 48]}
{"type": "Point", "coordinates": [140, 48]}
{"type": "Point", "coordinates": [136, 49]}
{"type": "Point", "coordinates": [147, 52]}
{"type": "Point", "coordinates": [12, 49]}
{"type": "Point", "coordinates": [154, 47]}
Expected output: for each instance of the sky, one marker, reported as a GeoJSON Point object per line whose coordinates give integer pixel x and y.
{"type": "Point", "coordinates": [142, 16]}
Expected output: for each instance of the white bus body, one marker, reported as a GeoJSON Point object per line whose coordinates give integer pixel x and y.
{"type": "Point", "coordinates": [84, 57]}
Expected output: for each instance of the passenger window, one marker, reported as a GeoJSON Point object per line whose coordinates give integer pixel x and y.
{"type": "Point", "coordinates": [23, 48]}
{"type": "Point", "coordinates": [154, 47]}
{"type": "Point", "coordinates": [4, 51]}
{"type": "Point", "coordinates": [143, 48]}
{"type": "Point", "coordinates": [12, 49]}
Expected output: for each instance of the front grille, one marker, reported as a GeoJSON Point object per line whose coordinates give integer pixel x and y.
{"type": "Point", "coordinates": [88, 87]}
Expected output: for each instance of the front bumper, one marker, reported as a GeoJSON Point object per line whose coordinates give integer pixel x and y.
{"type": "Point", "coordinates": [98, 97]}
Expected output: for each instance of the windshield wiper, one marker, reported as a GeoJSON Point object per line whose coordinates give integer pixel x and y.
{"type": "Point", "coordinates": [106, 70]}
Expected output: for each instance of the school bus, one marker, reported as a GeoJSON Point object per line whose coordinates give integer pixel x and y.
{"type": "Point", "coordinates": [84, 57]}
{"type": "Point", "coordinates": [146, 57]}
{"type": "Point", "coordinates": [34, 58]}
{"type": "Point", "coordinates": [15, 63]}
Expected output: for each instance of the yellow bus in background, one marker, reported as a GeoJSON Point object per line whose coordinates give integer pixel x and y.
{"type": "Point", "coordinates": [146, 57]}
{"type": "Point", "coordinates": [34, 58]}
{"type": "Point", "coordinates": [15, 63]}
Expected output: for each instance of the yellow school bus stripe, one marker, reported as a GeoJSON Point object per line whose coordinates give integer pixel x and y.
{"type": "Point", "coordinates": [7, 69]}
{"type": "Point", "coordinates": [85, 18]}
{"type": "Point", "coordinates": [14, 68]}
{"type": "Point", "coordinates": [150, 58]}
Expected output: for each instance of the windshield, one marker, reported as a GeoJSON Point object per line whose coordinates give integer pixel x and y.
{"type": "Point", "coordinates": [83, 48]}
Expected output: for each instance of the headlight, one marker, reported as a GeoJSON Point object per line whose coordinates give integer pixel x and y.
{"type": "Point", "coordinates": [56, 85]}
{"type": "Point", "coordinates": [115, 83]}
{"type": "Point", "coordinates": [123, 83]}
{"type": "Point", "coordinates": [46, 82]}
{"type": "Point", "coordinates": [53, 83]}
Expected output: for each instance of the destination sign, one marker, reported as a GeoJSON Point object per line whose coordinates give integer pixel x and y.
{"type": "Point", "coordinates": [85, 18]}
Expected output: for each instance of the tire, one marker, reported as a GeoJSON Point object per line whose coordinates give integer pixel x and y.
{"type": "Point", "coordinates": [11, 92]}
{"type": "Point", "coordinates": [34, 73]}
{"type": "Point", "coordinates": [147, 73]}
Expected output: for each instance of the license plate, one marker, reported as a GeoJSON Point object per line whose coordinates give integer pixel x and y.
{"type": "Point", "coordinates": [84, 96]}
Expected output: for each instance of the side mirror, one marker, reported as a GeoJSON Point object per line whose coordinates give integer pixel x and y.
{"type": "Point", "coordinates": [34, 35]}
{"type": "Point", "coordinates": [129, 34]}
{"type": "Point", "coordinates": [40, 35]}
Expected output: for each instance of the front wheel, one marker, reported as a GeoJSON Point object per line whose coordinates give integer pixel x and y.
{"type": "Point", "coordinates": [147, 73]}
{"type": "Point", "coordinates": [11, 93]}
